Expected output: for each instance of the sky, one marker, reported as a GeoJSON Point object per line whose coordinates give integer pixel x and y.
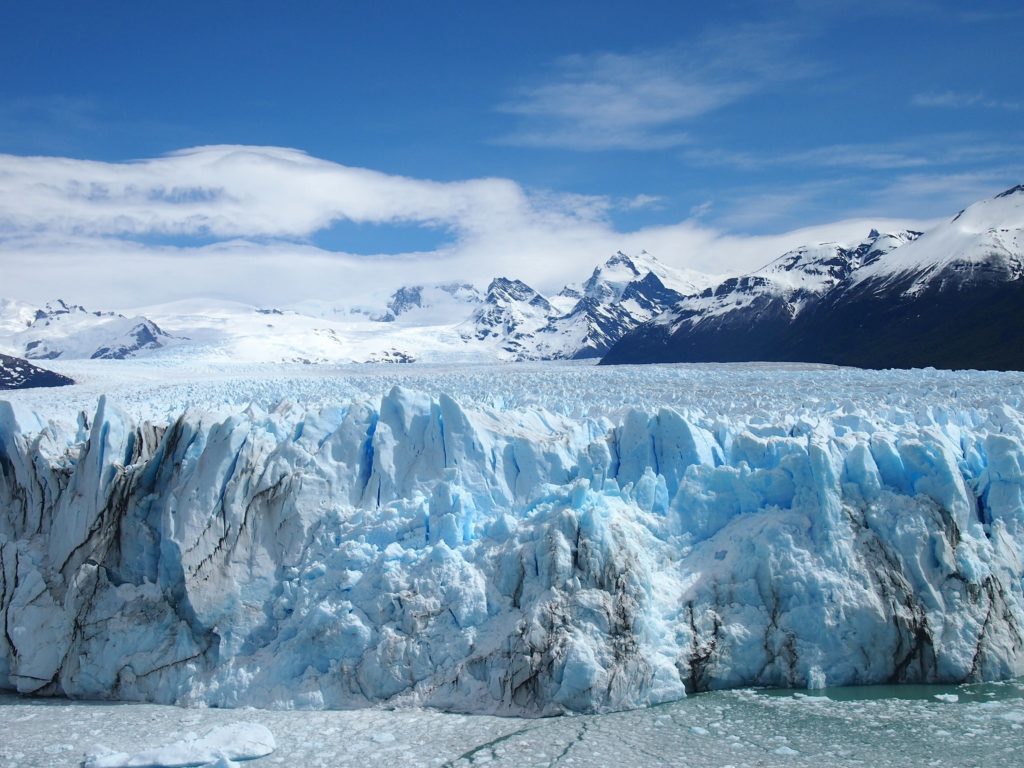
{"type": "Point", "coordinates": [272, 152]}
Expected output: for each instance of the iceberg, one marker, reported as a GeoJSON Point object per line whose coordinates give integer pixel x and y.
{"type": "Point", "coordinates": [420, 548]}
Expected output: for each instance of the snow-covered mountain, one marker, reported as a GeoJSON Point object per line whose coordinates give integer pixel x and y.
{"type": "Point", "coordinates": [621, 294]}
{"type": "Point", "coordinates": [16, 373]}
{"type": "Point", "coordinates": [983, 243]}
{"type": "Point", "coordinates": [443, 322]}
{"type": "Point", "coordinates": [423, 303]}
{"type": "Point", "coordinates": [511, 316]}
{"type": "Point", "coordinates": [582, 320]}
{"type": "Point", "coordinates": [62, 330]}
{"type": "Point", "coordinates": [952, 297]}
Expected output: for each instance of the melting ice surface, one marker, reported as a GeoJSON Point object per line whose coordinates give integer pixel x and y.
{"type": "Point", "coordinates": [510, 540]}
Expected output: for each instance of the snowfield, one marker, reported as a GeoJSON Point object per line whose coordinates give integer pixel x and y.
{"type": "Point", "coordinates": [516, 540]}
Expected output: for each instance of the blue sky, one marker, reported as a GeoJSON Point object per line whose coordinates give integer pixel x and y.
{"type": "Point", "coordinates": [746, 119]}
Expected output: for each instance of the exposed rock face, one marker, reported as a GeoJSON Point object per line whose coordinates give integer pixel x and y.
{"type": "Point", "coordinates": [951, 298]}
{"type": "Point", "coordinates": [16, 373]}
{"type": "Point", "coordinates": [413, 550]}
{"type": "Point", "coordinates": [582, 321]}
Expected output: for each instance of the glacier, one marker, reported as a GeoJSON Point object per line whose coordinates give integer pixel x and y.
{"type": "Point", "coordinates": [642, 534]}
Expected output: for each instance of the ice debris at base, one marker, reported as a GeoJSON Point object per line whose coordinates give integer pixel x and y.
{"type": "Point", "coordinates": [877, 727]}
{"type": "Point", "coordinates": [221, 746]}
{"type": "Point", "coordinates": [411, 549]}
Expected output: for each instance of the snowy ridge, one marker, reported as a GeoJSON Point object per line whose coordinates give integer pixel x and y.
{"type": "Point", "coordinates": [443, 322]}
{"type": "Point", "coordinates": [611, 279]}
{"type": "Point", "coordinates": [620, 295]}
{"type": "Point", "coordinates": [416, 549]}
{"type": "Point", "coordinates": [510, 317]}
{"type": "Point", "coordinates": [819, 268]}
{"type": "Point", "coordinates": [950, 298]}
{"type": "Point", "coordinates": [787, 284]}
{"type": "Point", "coordinates": [69, 330]}
{"type": "Point", "coordinates": [424, 304]}
{"type": "Point", "coordinates": [988, 236]}
{"type": "Point", "coordinates": [581, 321]}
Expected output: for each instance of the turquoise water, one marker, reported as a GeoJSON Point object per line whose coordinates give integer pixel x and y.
{"type": "Point", "coordinates": [971, 725]}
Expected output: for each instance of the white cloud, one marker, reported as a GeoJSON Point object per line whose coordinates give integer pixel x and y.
{"type": "Point", "coordinates": [612, 101]}
{"type": "Point", "coordinates": [924, 151]}
{"type": "Point", "coordinates": [229, 191]}
{"type": "Point", "coordinates": [639, 202]}
{"type": "Point", "coordinates": [946, 191]}
{"type": "Point", "coordinates": [833, 156]}
{"type": "Point", "coordinates": [644, 101]}
{"type": "Point", "coordinates": [918, 197]}
{"type": "Point", "coordinates": [702, 209]}
{"type": "Point", "coordinates": [85, 230]}
{"type": "Point", "coordinates": [963, 100]}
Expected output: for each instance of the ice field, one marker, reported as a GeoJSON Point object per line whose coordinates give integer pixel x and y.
{"type": "Point", "coordinates": [974, 725]}
{"type": "Point", "coordinates": [518, 540]}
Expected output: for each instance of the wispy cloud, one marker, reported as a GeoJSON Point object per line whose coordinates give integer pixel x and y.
{"type": "Point", "coordinates": [923, 152]}
{"type": "Point", "coordinates": [948, 191]}
{"type": "Point", "coordinates": [611, 101]}
{"type": "Point", "coordinates": [986, 16]}
{"type": "Point", "coordinates": [646, 100]}
{"type": "Point", "coordinates": [48, 123]}
{"type": "Point", "coordinates": [639, 202]}
{"type": "Point", "coordinates": [832, 156]}
{"type": "Point", "coordinates": [919, 195]}
{"type": "Point", "coordinates": [64, 124]}
{"type": "Point", "coordinates": [773, 207]}
{"type": "Point", "coordinates": [963, 100]}
{"type": "Point", "coordinates": [92, 231]}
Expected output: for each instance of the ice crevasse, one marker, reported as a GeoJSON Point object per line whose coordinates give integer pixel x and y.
{"type": "Point", "coordinates": [411, 550]}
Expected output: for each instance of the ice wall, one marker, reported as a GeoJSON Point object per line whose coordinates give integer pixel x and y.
{"type": "Point", "coordinates": [412, 550]}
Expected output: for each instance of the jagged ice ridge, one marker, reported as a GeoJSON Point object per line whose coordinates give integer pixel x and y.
{"type": "Point", "coordinates": [418, 548]}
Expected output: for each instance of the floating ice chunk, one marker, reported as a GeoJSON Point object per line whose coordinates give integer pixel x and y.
{"type": "Point", "coordinates": [947, 698]}
{"type": "Point", "coordinates": [239, 741]}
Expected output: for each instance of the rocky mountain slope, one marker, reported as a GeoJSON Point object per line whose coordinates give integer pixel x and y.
{"type": "Point", "coordinates": [16, 373]}
{"type": "Point", "coordinates": [950, 298]}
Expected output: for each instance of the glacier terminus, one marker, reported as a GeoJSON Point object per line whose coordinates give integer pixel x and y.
{"type": "Point", "coordinates": [553, 538]}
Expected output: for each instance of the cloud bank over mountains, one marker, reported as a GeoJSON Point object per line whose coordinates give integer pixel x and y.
{"type": "Point", "coordinates": [241, 222]}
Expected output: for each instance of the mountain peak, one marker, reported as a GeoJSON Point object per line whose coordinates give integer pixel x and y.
{"type": "Point", "coordinates": [57, 307]}
{"type": "Point", "coordinates": [402, 300]}
{"type": "Point", "coordinates": [620, 258]}
{"type": "Point", "coordinates": [503, 291]}
{"type": "Point", "coordinates": [1019, 189]}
